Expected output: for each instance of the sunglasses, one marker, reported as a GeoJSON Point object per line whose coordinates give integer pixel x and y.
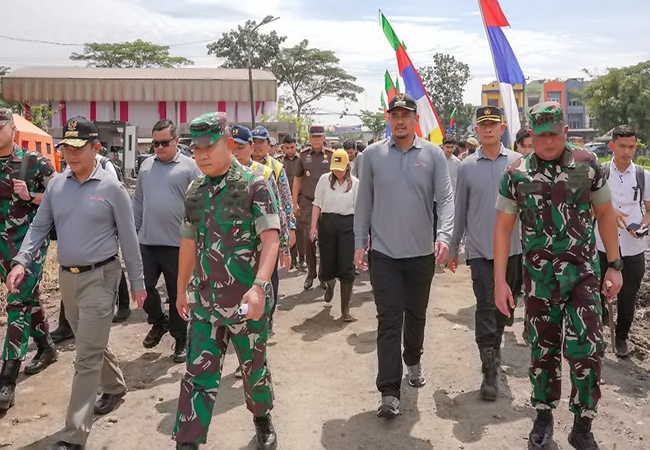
{"type": "Point", "coordinates": [164, 143]}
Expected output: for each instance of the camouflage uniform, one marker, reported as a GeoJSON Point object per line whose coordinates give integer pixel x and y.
{"type": "Point", "coordinates": [25, 315]}
{"type": "Point", "coordinates": [283, 189]}
{"type": "Point", "coordinates": [561, 272]}
{"type": "Point", "coordinates": [224, 216]}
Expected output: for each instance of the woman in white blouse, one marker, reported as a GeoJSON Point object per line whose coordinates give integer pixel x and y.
{"type": "Point", "coordinates": [332, 222]}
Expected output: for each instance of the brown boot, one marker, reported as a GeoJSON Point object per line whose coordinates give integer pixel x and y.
{"type": "Point", "coordinates": [346, 296]}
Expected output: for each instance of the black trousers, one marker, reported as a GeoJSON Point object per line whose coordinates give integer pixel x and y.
{"type": "Point", "coordinates": [435, 221]}
{"type": "Point", "coordinates": [336, 246]}
{"type": "Point", "coordinates": [157, 260]}
{"type": "Point", "coordinates": [489, 322]}
{"type": "Point", "coordinates": [633, 270]}
{"type": "Point", "coordinates": [123, 301]}
{"type": "Point", "coordinates": [401, 288]}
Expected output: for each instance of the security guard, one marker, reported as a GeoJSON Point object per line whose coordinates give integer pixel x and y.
{"type": "Point", "coordinates": [290, 162]}
{"type": "Point", "coordinates": [19, 197]}
{"type": "Point", "coordinates": [228, 251]}
{"type": "Point", "coordinates": [553, 190]}
{"type": "Point", "coordinates": [314, 162]}
{"type": "Point", "coordinates": [90, 210]}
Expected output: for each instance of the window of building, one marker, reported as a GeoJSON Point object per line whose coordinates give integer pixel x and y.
{"type": "Point", "coordinates": [532, 101]}
{"type": "Point", "coordinates": [493, 102]}
{"type": "Point", "coordinates": [555, 97]}
{"type": "Point", "coordinates": [38, 147]}
{"type": "Point", "coordinates": [575, 102]}
{"type": "Point", "coordinates": [49, 148]}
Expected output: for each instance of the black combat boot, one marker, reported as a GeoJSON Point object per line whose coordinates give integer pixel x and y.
{"type": "Point", "coordinates": [329, 290]}
{"type": "Point", "coordinates": [8, 377]}
{"type": "Point", "coordinates": [542, 432]}
{"type": "Point", "coordinates": [266, 437]}
{"type": "Point", "coordinates": [46, 355]}
{"type": "Point", "coordinates": [497, 348]}
{"type": "Point", "coordinates": [346, 296]}
{"type": "Point", "coordinates": [581, 436]}
{"type": "Point", "coordinates": [302, 265]}
{"type": "Point", "coordinates": [63, 331]}
{"type": "Point", "coordinates": [489, 368]}
{"type": "Point", "coordinates": [180, 350]}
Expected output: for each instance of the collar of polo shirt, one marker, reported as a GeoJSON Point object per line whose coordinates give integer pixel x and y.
{"type": "Point", "coordinates": [417, 143]}
{"type": "Point", "coordinates": [174, 159]}
{"type": "Point", "coordinates": [96, 174]}
{"type": "Point", "coordinates": [481, 155]}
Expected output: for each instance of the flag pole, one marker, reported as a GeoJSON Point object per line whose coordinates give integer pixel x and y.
{"type": "Point", "coordinates": [494, 61]}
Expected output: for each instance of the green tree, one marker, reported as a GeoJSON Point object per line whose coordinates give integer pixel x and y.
{"type": "Point", "coordinates": [621, 96]}
{"type": "Point", "coordinates": [234, 45]}
{"type": "Point", "coordinates": [4, 70]}
{"type": "Point", "coordinates": [129, 54]}
{"type": "Point", "coordinates": [445, 81]}
{"type": "Point", "coordinates": [374, 121]}
{"type": "Point", "coordinates": [311, 74]}
{"type": "Point", "coordinates": [464, 119]}
{"type": "Point", "coordinates": [41, 115]}
{"type": "Point", "coordinates": [284, 114]}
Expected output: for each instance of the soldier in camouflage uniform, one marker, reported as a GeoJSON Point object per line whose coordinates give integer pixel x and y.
{"type": "Point", "coordinates": [553, 190]}
{"type": "Point", "coordinates": [19, 199]}
{"type": "Point", "coordinates": [231, 241]}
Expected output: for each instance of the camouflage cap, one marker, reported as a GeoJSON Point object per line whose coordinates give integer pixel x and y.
{"type": "Point", "coordinates": [546, 117]}
{"type": "Point", "coordinates": [5, 115]}
{"type": "Point", "coordinates": [208, 128]}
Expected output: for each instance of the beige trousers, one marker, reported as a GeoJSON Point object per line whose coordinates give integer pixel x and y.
{"type": "Point", "coordinates": [89, 299]}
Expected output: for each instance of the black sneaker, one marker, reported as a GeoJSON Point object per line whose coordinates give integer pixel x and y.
{"type": "Point", "coordinates": [154, 336]}
{"type": "Point", "coordinates": [265, 433]}
{"type": "Point", "coordinates": [121, 315]}
{"type": "Point", "coordinates": [542, 432]}
{"type": "Point", "coordinates": [622, 349]}
{"type": "Point", "coordinates": [389, 407]}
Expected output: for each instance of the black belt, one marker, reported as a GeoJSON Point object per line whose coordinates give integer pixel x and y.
{"type": "Point", "coordinates": [82, 269]}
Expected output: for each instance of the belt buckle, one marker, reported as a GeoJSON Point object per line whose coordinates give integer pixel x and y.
{"type": "Point", "coordinates": [74, 270]}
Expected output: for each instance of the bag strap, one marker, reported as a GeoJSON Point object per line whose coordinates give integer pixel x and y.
{"type": "Point", "coordinates": [24, 165]}
{"type": "Point", "coordinates": [606, 169]}
{"type": "Point", "coordinates": [640, 182]}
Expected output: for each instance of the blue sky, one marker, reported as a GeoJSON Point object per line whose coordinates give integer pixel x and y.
{"type": "Point", "coordinates": [554, 40]}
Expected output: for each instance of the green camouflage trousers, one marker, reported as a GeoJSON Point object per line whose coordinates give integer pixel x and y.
{"type": "Point", "coordinates": [579, 318]}
{"type": "Point", "coordinates": [207, 343]}
{"type": "Point", "coordinates": [25, 316]}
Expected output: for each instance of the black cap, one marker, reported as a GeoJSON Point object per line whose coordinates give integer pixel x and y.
{"type": "Point", "coordinates": [485, 113]}
{"type": "Point", "coordinates": [404, 101]}
{"type": "Point", "coordinates": [78, 131]}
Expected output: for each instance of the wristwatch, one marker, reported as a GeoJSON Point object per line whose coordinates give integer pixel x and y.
{"type": "Point", "coordinates": [617, 264]}
{"type": "Point", "coordinates": [265, 285]}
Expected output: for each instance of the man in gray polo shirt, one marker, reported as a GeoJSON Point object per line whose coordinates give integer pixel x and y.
{"type": "Point", "coordinates": [90, 210]}
{"type": "Point", "coordinates": [158, 207]}
{"type": "Point", "coordinates": [401, 176]}
{"type": "Point", "coordinates": [479, 178]}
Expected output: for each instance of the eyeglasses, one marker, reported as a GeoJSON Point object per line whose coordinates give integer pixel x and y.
{"type": "Point", "coordinates": [164, 143]}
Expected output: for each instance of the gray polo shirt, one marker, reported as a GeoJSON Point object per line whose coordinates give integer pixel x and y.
{"type": "Point", "coordinates": [159, 200]}
{"type": "Point", "coordinates": [395, 200]}
{"type": "Point", "coordinates": [88, 217]}
{"type": "Point", "coordinates": [477, 190]}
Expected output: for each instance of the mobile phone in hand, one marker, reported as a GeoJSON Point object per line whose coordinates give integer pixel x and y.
{"type": "Point", "coordinates": [638, 229]}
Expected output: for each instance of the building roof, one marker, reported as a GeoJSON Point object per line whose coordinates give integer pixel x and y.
{"type": "Point", "coordinates": [151, 84]}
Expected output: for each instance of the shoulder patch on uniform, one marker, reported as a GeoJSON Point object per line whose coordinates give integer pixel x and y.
{"type": "Point", "coordinates": [306, 149]}
{"type": "Point", "coordinates": [327, 149]}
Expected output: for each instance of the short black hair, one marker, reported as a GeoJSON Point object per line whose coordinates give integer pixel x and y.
{"type": "Point", "coordinates": [462, 143]}
{"type": "Point", "coordinates": [164, 124]}
{"type": "Point", "coordinates": [288, 139]}
{"type": "Point", "coordinates": [360, 146]}
{"type": "Point", "coordinates": [521, 136]}
{"type": "Point", "coordinates": [348, 144]}
{"type": "Point", "coordinates": [449, 139]}
{"type": "Point", "coordinates": [623, 131]}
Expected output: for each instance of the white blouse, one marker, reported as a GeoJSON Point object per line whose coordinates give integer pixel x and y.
{"type": "Point", "coordinates": [336, 201]}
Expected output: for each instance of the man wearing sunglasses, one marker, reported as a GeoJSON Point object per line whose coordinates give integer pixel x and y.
{"type": "Point", "coordinates": [158, 206]}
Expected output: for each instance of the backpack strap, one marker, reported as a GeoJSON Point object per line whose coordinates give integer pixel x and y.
{"type": "Point", "coordinates": [606, 169]}
{"type": "Point", "coordinates": [640, 183]}
{"type": "Point", "coordinates": [102, 161]}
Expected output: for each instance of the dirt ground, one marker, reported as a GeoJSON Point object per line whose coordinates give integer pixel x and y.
{"type": "Point", "coordinates": [324, 375]}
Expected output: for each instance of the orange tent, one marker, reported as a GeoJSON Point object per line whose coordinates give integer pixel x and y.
{"type": "Point", "coordinates": [30, 137]}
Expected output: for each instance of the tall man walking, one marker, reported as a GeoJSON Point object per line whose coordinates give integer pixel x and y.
{"type": "Point", "coordinates": [291, 161]}
{"type": "Point", "coordinates": [314, 162]}
{"type": "Point", "coordinates": [91, 211]}
{"type": "Point", "coordinates": [158, 210]}
{"type": "Point", "coordinates": [401, 176]}
{"type": "Point", "coordinates": [479, 179]}
{"type": "Point", "coordinates": [23, 178]}
{"type": "Point", "coordinates": [557, 191]}
{"type": "Point", "coordinates": [630, 186]}
{"type": "Point", "coordinates": [232, 251]}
